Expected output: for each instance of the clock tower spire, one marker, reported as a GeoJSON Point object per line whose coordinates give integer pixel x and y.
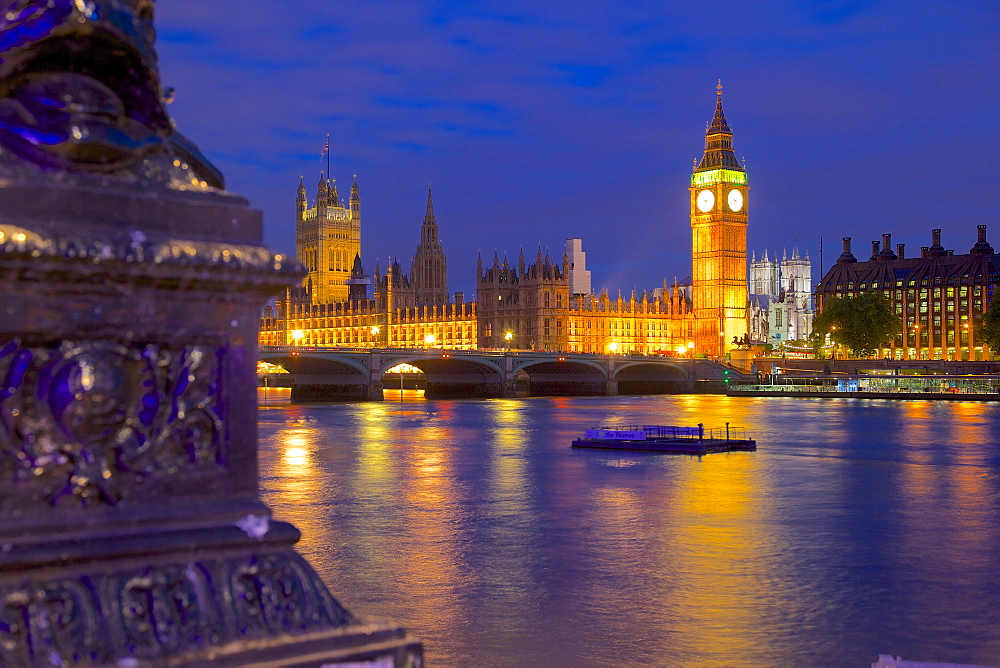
{"type": "Point", "coordinates": [719, 240]}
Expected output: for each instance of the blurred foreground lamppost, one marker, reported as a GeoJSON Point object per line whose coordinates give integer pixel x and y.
{"type": "Point", "coordinates": [131, 284]}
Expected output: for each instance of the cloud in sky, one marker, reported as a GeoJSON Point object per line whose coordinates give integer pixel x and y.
{"type": "Point", "coordinates": [539, 121]}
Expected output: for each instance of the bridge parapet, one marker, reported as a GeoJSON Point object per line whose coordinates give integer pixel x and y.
{"type": "Point", "coordinates": [356, 373]}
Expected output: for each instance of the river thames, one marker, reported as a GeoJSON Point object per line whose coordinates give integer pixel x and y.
{"type": "Point", "coordinates": [858, 528]}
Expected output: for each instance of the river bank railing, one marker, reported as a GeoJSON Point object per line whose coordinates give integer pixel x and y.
{"type": "Point", "coordinates": [883, 384]}
{"type": "Point", "coordinates": [673, 432]}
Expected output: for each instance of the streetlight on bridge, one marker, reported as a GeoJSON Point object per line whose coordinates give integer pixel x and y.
{"type": "Point", "coordinates": [507, 337]}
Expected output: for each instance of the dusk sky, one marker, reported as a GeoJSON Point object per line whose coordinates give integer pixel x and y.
{"type": "Point", "coordinates": [539, 121]}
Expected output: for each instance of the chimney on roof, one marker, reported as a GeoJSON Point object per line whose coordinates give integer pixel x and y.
{"type": "Point", "coordinates": [846, 257]}
{"type": "Point", "coordinates": [886, 253]}
{"type": "Point", "coordinates": [936, 249]}
{"type": "Point", "coordinates": [982, 247]}
{"type": "Point", "coordinates": [899, 251]}
{"type": "Point", "coordinates": [923, 251]}
{"type": "Point", "coordinates": [875, 245]}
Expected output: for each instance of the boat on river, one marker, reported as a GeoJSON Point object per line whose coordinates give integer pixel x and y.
{"type": "Point", "coordinates": [667, 438]}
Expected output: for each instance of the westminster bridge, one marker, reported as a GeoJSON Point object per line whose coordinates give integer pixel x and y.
{"type": "Point", "coordinates": [337, 374]}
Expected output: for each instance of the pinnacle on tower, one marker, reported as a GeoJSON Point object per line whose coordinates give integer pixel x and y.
{"type": "Point", "coordinates": [429, 228]}
{"type": "Point", "coordinates": [429, 216]}
{"type": "Point", "coordinates": [719, 141]}
{"type": "Point", "coordinates": [719, 123]}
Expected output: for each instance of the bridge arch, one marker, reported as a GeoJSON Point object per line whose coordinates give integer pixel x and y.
{"type": "Point", "coordinates": [453, 376]}
{"type": "Point", "coordinates": [318, 377]}
{"type": "Point", "coordinates": [563, 377]}
{"type": "Point", "coordinates": [642, 377]}
{"type": "Point", "coordinates": [306, 363]}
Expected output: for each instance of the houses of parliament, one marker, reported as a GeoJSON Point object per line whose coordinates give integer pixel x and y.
{"type": "Point", "coordinates": [537, 303]}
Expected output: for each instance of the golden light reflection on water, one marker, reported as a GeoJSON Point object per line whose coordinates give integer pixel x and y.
{"type": "Point", "coordinates": [296, 464]}
{"type": "Point", "coordinates": [510, 576]}
{"type": "Point", "coordinates": [296, 474]}
{"type": "Point", "coordinates": [722, 550]}
{"type": "Point", "coordinates": [959, 496]}
{"type": "Point", "coordinates": [405, 460]}
{"type": "Point", "coordinates": [475, 520]}
{"type": "Point", "coordinates": [375, 443]}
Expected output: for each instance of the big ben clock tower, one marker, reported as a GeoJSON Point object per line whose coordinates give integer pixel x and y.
{"type": "Point", "coordinates": [719, 241]}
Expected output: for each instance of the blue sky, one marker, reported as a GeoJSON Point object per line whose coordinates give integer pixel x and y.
{"type": "Point", "coordinates": [539, 121]}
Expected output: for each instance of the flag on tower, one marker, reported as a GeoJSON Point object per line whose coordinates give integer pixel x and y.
{"type": "Point", "coordinates": [326, 152]}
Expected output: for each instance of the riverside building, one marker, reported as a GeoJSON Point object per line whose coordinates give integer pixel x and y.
{"type": "Point", "coordinates": [939, 296]}
{"type": "Point", "coordinates": [546, 304]}
{"type": "Point", "coordinates": [532, 306]}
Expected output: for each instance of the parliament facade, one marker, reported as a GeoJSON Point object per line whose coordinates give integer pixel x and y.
{"type": "Point", "coordinates": [540, 304]}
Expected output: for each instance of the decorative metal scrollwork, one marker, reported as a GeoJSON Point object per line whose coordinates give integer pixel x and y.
{"type": "Point", "coordinates": [162, 611]}
{"type": "Point", "coordinates": [84, 422]}
{"type": "Point", "coordinates": [57, 623]}
{"type": "Point", "coordinates": [168, 609]}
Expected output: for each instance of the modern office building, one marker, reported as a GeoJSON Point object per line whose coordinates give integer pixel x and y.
{"type": "Point", "coordinates": [579, 275]}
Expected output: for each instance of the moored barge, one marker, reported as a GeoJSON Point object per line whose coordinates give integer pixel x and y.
{"type": "Point", "coordinates": [667, 438]}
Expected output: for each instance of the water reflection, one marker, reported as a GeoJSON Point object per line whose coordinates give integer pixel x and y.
{"type": "Point", "coordinates": [857, 528]}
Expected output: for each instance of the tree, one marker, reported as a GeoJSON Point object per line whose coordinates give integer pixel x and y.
{"type": "Point", "coordinates": [863, 323]}
{"type": "Point", "coordinates": [989, 330]}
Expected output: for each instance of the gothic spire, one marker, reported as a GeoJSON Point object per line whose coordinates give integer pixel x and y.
{"type": "Point", "coordinates": [719, 124]}
{"type": "Point", "coordinates": [719, 142]}
{"type": "Point", "coordinates": [429, 216]}
{"type": "Point", "coordinates": [429, 233]}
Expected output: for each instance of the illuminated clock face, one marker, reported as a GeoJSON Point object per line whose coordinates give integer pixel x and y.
{"type": "Point", "coordinates": [705, 200]}
{"type": "Point", "coordinates": [735, 200]}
